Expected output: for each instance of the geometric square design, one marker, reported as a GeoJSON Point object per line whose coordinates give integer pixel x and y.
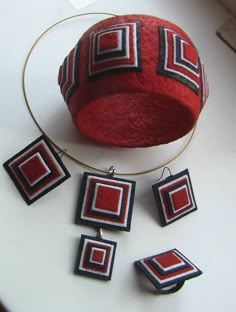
{"type": "Point", "coordinates": [36, 170]}
{"type": "Point", "coordinates": [95, 257]}
{"type": "Point", "coordinates": [178, 59]}
{"type": "Point", "coordinates": [105, 202]}
{"type": "Point", "coordinates": [68, 77]}
{"type": "Point", "coordinates": [174, 197]}
{"type": "Point", "coordinates": [114, 48]}
{"type": "Point", "coordinates": [167, 268]}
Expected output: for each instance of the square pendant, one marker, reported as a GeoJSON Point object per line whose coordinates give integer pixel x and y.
{"type": "Point", "coordinates": [95, 257]}
{"type": "Point", "coordinates": [168, 268]}
{"type": "Point", "coordinates": [36, 170]}
{"type": "Point", "coordinates": [105, 202]}
{"type": "Point", "coordinates": [174, 197]}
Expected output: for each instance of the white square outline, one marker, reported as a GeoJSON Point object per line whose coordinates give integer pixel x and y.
{"type": "Point", "coordinates": [83, 217]}
{"type": "Point", "coordinates": [48, 171]}
{"type": "Point", "coordinates": [93, 249]}
{"type": "Point", "coordinates": [94, 208]}
{"type": "Point", "coordinates": [166, 30]}
{"type": "Point", "coordinates": [86, 241]}
{"type": "Point", "coordinates": [177, 276]}
{"type": "Point", "coordinates": [169, 219]}
{"type": "Point", "coordinates": [62, 173]}
{"type": "Point", "coordinates": [171, 267]}
{"type": "Point", "coordinates": [175, 191]}
{"type": "Point", "coordinates": [119, 45]}
{"type": "Point", "coordinates": [125, 57]}
{"type": "Point", "coordinates": [134, 28]}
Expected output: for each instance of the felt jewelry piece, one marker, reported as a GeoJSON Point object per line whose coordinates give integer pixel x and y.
{"type": "Point", "coordinates": [104, 202]}
{"type": "Point", "coordinates": [174, 197]}
{"type": "Point", "coordinates": [36, 170]}
{"type": "Point", "coordinates": [168, 270]}
{"type": "Point", "coordinates": [128, 75]}
{"type": "Point", "coordinates": [95, 257]}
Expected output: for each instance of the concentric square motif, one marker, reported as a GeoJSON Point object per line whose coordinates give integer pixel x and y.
{"type": "Point", "coordinates": [95, 257]}
{"type": "Point", "coordinates": [174, 197]}
{"type": "Point", "coordinates": [178, 59]}
{"type": "Point", "coordinates": [36, 170]}
{"type": "Point", "coordinates": [68, 77]}
{"type": "Point", "coordinates": [168, 268]}
{"type": "Point", "coordinates": [114, 48]}
{"type": "Point", "coordinates": [105, 202]}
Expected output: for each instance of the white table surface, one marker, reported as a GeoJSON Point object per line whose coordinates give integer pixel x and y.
{"type": "Point", "coordinates": [38, 243]}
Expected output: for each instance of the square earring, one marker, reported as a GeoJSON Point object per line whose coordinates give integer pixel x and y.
{"type": "Point", "coordinates": [174, 197]}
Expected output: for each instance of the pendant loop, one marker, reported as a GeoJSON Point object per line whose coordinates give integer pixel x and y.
{"type": "Point", "coordinates": [111, 171]}
{"type": "Point", "coordinates": [100, 233]}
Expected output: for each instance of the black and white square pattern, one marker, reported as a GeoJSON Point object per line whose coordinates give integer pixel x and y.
{"type": "Point", "coordinates": [105, 202]}
{"type": "Point", "coordinates": [114, 48]}
{"type": "Point", "coordinates": [95, 257]}
{"type": "Point", "coordinates": [178, 59]}
{"type": "Point", "coordinates": [167, 268]}
{"type": "Point", "coordinates": [174, 197]}
{"type": "Point", "coordinates": [36, 170]}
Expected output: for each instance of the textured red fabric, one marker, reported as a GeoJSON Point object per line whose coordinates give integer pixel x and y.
{"type": "Point", "coordinates": [134, 106]}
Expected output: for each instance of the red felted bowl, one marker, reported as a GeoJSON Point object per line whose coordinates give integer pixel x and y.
{"type": "Point", "coordinates": [134, 81]}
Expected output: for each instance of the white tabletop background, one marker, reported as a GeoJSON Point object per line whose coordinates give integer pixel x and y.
{"type": "Point", "coordinates": [38, 243]}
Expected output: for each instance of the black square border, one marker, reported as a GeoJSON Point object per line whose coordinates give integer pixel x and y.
{"type": "Point", "coordinates": [161, 62]}
{"type": "Point", "coordinates": [155, 188]}
{"type": "Point", "coordinates": [155, 282]}
{"type": "Point", "coordinates": [77, 271]}
{"type": "Point", "coordinates": [15, 181]}
{"type": "Point", "coordinates": [118, 69]}
{"type": "Point", "coordinates": [100, 213]}
{"type": "Point", "coordinates": [100, 224]}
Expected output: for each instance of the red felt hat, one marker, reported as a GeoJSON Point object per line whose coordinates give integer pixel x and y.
{"type": "Point", "coordinates": [134, 81]}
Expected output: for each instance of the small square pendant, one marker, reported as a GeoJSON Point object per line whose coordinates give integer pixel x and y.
{"type": "Point", "coordinates": [95, 257]}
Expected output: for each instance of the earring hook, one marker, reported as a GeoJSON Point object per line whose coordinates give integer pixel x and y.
{"type": "Point", "coordinates": [163, 171]}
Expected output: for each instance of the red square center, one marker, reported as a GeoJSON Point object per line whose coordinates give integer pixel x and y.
{"type": "Point", "coordinates": [108, 198]}
{"type": "Point", "coordinates": [190, 53]}
{"type": "Point", "coordinates": [180, 199]}
{"type": "Point", "coordinates": [168, 260]}
{"type": "Point", "coordinates": [97, 255]}
{"type": "Point", "coordinates": [34, 169]}
{"type": "Point", "coordinates": [108, 41]}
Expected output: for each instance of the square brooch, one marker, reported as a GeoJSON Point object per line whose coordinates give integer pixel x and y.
{"type": "Point", "coordinates": [168, 269]}
{"type": "Point", "coordinates": [105, 202]}
{"type": "Point", "coordinates": [36, 170]}
{"type": "Point", "coordinates": [174, 197]}
{"type": "Point", "coordinates": [95, 257]}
